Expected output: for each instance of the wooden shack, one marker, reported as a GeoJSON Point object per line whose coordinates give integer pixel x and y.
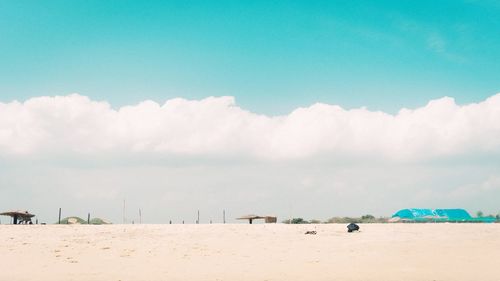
{"type": "Point", "coordinates": [251, 218]}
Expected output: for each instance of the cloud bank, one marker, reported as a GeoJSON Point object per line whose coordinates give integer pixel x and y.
{"type": "Point", "coordinates": [216, 126]}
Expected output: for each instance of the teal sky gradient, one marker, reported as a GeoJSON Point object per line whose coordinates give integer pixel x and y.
{"type": "Point", "coordinates": [273, 56]}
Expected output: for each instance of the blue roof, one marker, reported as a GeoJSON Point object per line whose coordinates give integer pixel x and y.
{"type": "Point", "coordinates": [453, 213]}
{"type": "Point", "coordinates": [438, 214]}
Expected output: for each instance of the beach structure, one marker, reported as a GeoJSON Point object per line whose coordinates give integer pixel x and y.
{"type": "Point", "coordinates": [78, 220]}
{"type": "Point", "coordinates": [19, 217]}
{"type": "Point", "coordinates": [251, 218]}
{"type": "Point", "coordinates": [436, 215]}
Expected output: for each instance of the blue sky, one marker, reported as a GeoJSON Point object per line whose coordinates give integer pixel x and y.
{"type": "Point", "coordinates": [273, 56]}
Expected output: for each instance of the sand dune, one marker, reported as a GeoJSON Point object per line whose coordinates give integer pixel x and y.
{"type": "Point", "coordinates": [250, 252]}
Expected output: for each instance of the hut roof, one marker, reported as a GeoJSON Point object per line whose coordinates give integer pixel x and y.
{"type": "Point", "coordinates": [18, 213]}
{"type": "Point", "coordinates": [247, 217]}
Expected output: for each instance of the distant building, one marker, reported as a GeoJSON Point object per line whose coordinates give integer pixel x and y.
{"type": "Point", "coordinates": [251, 218]}
{"type": "Point", "coordinates": [436, 215]}
{"type": "Point", "coordinates": [19, 217]}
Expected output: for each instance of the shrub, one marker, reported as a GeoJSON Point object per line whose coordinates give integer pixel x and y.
{"type": "Point", "coordinates": [363, 219]}
{"type": "Point", "coordinates": [77, 219]}
{"type": "Point", "coordinates": [298, 221]}
{"type": "Point", "coordinates": [367, 217]}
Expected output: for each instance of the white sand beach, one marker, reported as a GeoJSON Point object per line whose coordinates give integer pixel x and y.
{"type": "Point", "coordinates": [250, 252]}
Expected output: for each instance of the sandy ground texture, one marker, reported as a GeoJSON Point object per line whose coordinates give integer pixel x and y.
{"type": "Point", "coordinates": [381, 252]}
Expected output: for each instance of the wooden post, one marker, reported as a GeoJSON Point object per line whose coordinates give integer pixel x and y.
{"type": "Point", "coordinates": [140, 217]}
{"type": "Point", "coordinates": [224, 216]}
{"type": "Point", "coordinates": [59, 221]}
{"type": "Point", "coordinates": [88, 218]}
{"type": "Point", "coordinates": [198, 220]}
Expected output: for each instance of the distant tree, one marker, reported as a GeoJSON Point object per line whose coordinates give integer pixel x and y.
{"type": "Point", "coordinates": [76, 220]}
{"type": "Point", "coordinates": [314, 221]}
{"type": "Point", "coordinates": [298, 221]}
{"type": "Point", "coordinates": [344, 220]}
{"type": "Point", "coordinates": [479, 214]}
{"type": "Point", "coordinates": [367, 217]}
{"type": "Point", "coordinates": [498, 217]}
{"type": "Point", "coordinates": [295, 221]}
{"type": "Point", "coordinates": [98, 221]}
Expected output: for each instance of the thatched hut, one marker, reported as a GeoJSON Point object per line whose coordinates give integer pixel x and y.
{"type": "Point", "coordinates": [19, 217]}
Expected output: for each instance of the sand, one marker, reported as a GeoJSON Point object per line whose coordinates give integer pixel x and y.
{"type": "Point", "coordinates": [381, 252]}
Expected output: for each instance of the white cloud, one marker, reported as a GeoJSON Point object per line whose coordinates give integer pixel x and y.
{"type": "Point", "coordinates": [216, 126]}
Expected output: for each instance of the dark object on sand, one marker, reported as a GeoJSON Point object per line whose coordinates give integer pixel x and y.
{"type": "Point", "coordinates": [312, 232]}
{"type": "Point", "coordinates": [352, 227]}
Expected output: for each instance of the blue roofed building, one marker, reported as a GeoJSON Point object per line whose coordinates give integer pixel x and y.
{"type": "Point", "coordinates": [437, 215]}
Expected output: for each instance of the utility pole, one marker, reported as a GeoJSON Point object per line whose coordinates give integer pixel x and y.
{"type": "Point", "coordinates": [224, 216]}
{"type": "Point", "coordinates": [88, 219]}
{"type": "Point", "coordinates": [123, 211]}
{"type": "Point", "coordinates": [140, 217]}
{"type": "Point", "coordinates": [198, 220]}
{"type": "Point", "coordinates": [59, 221]}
